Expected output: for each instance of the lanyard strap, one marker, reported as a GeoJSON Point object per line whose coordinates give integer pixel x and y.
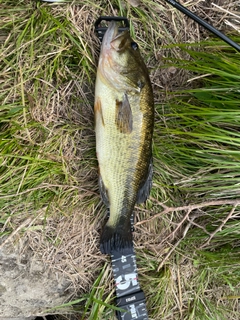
{"type": "Point", "coordinates": [130, 298]}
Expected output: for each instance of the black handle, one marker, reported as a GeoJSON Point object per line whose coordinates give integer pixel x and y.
{"type": "Point", "coordinates": [204, 24]}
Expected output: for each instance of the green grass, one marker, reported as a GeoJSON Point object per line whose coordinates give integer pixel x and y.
{"type": "Point", "coordinates": [41, 60]}
{"type": "Point", "coordinates": [186, 239]}
{"type": "Point", "coordinates": [198, 145]}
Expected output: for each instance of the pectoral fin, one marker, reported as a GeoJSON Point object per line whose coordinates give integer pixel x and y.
{"type": "Point", "coordinates": [123, 116]}
{"type": "Point", "coordinates": [145, 189]}
{"type": "Point", "coordinates": [98, 111]}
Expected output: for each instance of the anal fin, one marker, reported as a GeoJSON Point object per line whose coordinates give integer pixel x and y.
{"type": "Point", "coordinates": [103, 191]}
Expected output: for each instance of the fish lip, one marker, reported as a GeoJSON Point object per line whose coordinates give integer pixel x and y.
{"type": "Point", "coordinates": [110, 35]}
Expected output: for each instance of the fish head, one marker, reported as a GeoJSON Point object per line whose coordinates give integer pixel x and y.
{"type": "Point", "coordinates": [120, 63]}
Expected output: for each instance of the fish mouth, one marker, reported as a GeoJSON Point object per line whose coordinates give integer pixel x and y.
{"type": "Point", "coordinates": [110, 35]}
{"type": "Point", "coordinates": [108, 65]}
{"type": "Point", "coordinates": [113, 38]}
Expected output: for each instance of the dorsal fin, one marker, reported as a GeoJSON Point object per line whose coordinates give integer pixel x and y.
{"type": "Point", "coordinates": [145, 188]}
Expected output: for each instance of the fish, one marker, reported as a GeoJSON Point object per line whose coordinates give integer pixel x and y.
{"type": "Point", "coordinates": [124, 121]}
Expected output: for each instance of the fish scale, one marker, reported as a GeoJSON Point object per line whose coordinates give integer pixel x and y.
{"type": "Point", "coordinates": [120, 156]}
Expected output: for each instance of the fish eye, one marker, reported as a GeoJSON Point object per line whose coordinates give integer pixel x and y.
{"type": "Point", "coordinates": [134, 45]}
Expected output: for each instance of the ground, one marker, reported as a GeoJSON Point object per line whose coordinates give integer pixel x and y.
{"type": "Point", "coordinates": [187, 234]}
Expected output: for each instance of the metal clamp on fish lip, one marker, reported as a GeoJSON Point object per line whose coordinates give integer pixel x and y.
{"type": "Point", "coordinates": [100, 30]}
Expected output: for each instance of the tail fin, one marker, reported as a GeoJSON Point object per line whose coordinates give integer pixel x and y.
{"type": "Point", "coordinates": [115, 238]}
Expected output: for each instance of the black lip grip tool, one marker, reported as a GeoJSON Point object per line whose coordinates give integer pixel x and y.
{"type": "Point", "coordinates": [101, 29]}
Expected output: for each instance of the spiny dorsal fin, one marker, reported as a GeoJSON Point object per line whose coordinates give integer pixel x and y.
{"type": "Point", "coordinates": [123, 117]}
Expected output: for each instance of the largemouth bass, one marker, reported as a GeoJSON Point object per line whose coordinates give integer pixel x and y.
{"type": "Point", "coordinates": [124, 117]}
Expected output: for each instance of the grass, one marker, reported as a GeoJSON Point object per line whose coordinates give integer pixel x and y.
{"type": "Point", "coordinates": [198, 145]}
{"type": "Point", "coordinates": [187, 234]}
